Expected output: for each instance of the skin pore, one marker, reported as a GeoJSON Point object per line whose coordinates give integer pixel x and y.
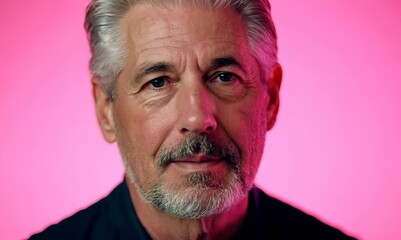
{"type": "Point", "coordinates": [189, 72]}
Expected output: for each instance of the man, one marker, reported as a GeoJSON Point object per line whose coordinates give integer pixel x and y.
{"type": "Point", "coordinates": [188, 90]}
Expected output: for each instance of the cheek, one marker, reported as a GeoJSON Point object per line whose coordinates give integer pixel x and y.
{"type": "Point", "coordinates": [253, 128]}
{"type": "Point", "coordinates": [253, 143]}
{"type": "Point", "coordinates": [246, 126]}
{"type": "Point", "coordinates": [138, 142]}
{"type": "Point", "coordinates": [246, 118]}
{"type": "Point", "coordinates": [143, 129]}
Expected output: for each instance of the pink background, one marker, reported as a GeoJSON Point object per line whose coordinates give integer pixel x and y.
{"type": "Point", "coordinates": [335, 151]}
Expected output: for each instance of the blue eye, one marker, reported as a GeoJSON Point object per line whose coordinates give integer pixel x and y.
{"type": "Point", "coordinates": [158, 82]}
{"type": "Point", "coordinates": [225, 77]}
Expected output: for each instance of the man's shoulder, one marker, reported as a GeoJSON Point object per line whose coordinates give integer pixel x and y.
{"type": "Point", "coordinates": [275, 218]}
{"type": "Point", "coordinates": [77, 226]}
{"type": "Point", "coordinates": [112, 217]}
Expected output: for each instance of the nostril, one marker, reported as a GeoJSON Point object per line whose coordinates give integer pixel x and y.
{"type": "Point", "coordinates": [209, 129]}
{"type": "Point", "coordinates": [184, 130]}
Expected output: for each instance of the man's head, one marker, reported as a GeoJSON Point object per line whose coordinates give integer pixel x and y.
{"type": "Point", "coordinates": [188, 90]}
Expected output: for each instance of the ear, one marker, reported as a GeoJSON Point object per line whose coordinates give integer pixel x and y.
{"type": "Point", "coordinates": [104, 110]}
{"type": "Point", "coordinates": [273, 98]}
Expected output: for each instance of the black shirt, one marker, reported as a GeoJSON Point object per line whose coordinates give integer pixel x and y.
{"type": "Point", "coordinates": [114, 217]}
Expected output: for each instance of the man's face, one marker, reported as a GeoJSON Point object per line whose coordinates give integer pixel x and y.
{"type": "Point", "coordinates": [191, 109]}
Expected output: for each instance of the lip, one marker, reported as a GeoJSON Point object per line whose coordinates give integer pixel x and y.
{"type": "Point", "coordinates": [199, 162]}
{"type": "Point", "coordinates": [198, 158]}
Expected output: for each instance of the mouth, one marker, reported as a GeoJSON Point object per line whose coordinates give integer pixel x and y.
{"type": "Point", "coordinates": [197, 158]}
{"type": "Point", "coordinates": [199, 162]}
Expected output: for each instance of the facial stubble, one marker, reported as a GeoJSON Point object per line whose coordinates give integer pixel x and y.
{"type": "Point", "coordinates": [198, 194]}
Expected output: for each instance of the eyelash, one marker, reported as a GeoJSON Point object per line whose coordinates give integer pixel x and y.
{"type": "Point", "coordinates": [233, 77]}
{"type": "Point", "coordinates": [149, 83]}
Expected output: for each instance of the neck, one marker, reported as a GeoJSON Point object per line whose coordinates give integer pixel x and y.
{"type": "Point", "coordinates": [160, 225]}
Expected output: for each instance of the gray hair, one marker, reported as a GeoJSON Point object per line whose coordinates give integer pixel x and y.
{"type": "Point", "coordinates": [109, 54]}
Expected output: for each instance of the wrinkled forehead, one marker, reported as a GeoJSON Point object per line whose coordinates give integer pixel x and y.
{"type": "Point", "coordinates": [145, 22]}
{"type": "Point", "coordinates": [172, 5]}
{"type": "Point", "coordinates": [181, 33]}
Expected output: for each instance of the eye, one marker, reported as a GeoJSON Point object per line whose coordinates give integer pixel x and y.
{"type": "Point", "coordinates": [225, 77]}
{"type": "Point", "coordinates": [158, 82]}
{"type": "Point", "coordinates": [227, 85]}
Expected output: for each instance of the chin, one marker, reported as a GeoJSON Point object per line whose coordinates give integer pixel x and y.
{"type": "Point", "coordinates": [198, 195]}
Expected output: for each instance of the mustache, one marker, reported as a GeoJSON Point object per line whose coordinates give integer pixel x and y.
{"type": "Point", "coordinates": [199, 144]}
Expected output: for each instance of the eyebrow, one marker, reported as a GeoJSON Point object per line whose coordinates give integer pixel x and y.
{"type": "Point", "coordinates": [226, 61]}
{"type": "Point", "coordinates": [149, 68]}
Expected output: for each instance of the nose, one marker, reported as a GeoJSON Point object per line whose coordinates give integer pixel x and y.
{"type": "Point", "coordinates": [197, 109]}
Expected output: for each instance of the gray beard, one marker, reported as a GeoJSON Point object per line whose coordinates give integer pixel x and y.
{"type": "Point", "coordinates": [199, 194]}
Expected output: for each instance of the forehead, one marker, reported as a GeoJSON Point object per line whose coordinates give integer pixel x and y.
{"type": "Point", "coordinates": [178, 18]}
{"type": "Point", "coordinates": [172, 31]}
